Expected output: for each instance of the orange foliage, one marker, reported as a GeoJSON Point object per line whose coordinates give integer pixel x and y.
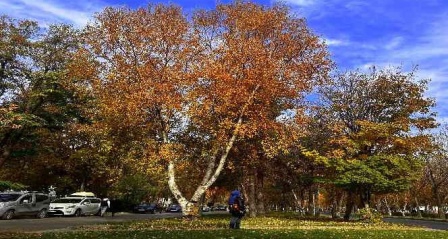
{"type": "Point", "coordinates": [227, 73]}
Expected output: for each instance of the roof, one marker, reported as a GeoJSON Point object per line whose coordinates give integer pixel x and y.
{"type": "Point", "coordinates": [82, 194]}
{"type": "Point", "coordinates": [21, 192]}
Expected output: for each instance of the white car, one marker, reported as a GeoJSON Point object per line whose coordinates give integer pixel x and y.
{"type": "Point", "coordinates": [75, 206]}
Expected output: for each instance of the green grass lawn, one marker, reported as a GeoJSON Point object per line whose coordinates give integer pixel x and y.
{"type": "Point", "coordinates": [263, 227]}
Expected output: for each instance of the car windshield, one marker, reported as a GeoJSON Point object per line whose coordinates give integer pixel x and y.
{"type": "Point", "coordinates": [6, 197]}
{"type": "Point", "coordinates": [67, 200]}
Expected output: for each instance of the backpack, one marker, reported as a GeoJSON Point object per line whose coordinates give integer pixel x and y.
{"type": "Point", "coordinates": [235, 207]}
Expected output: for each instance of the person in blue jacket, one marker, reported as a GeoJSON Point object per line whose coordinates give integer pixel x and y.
{"type": "Point", "coordinates": [236, 208]}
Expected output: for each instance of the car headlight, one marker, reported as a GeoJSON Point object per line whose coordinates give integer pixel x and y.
{"type": "Point", "coordinates": [2, 204]}
{"type": "Point", "coordinates": [72, 206]}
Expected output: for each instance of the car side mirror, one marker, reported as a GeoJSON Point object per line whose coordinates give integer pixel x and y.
{"type": "Point", "coordinates": [25, 201]}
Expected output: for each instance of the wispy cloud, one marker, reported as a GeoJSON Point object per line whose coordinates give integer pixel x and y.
{"type": "Point", "coordinates": [301, 2]}
{"type": "Point", "coordinates": [49, 11]}
{"type": "Point", "coordinates": [428, 50]}
{"type": "Point", "coordinates": [361, 33]}
{"type": "Point", "coordinates": [394, 43]}
{"type": "Point", "coordinates": [336, 42]}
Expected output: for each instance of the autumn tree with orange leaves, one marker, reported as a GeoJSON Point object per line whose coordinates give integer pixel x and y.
{"type": "Point", "coordinates": [221, 76]}
{"type": "Point", "coordinates": [376, 119]}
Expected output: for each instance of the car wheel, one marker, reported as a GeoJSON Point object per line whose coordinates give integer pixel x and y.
{"type": "Point", "coordinates": [42, 214]}
{"type": "Point", "coordinates": [8, 215]}
{"type": "Point", "coordinates": [78, 213]}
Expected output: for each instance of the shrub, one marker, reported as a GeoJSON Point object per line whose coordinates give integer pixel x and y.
{"type": "Point", "coordinates": [5, 185]}
{"type": "Point", "coordinates": [369, 215]}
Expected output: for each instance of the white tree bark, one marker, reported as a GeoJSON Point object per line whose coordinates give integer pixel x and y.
{"type": "Point", "coordinates": [212, 173]}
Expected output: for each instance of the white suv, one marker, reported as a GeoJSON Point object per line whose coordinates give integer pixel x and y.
{"type": "Point", "coordinates": [75, 206]}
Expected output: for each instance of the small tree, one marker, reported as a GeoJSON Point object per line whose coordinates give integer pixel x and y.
{"type": "Point", "coordinates": [7, 185]}
{"type": "Point", "coordinates": [436, 166]}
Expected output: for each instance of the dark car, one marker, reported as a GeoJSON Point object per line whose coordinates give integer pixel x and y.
{"type": "Point", "coordinates": [219, 208]}
{"type": "Point", "coordinates": [174, 208]}
{"type": "Point", "coordinates": [146, 208]}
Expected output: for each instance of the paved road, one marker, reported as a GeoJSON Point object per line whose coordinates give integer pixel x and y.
{"type": "Point", "coordinates": [57, 223]}
{"type": "Point", "coordinates": [437, 225]}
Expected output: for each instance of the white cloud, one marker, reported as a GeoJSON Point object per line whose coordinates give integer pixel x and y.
{"type": "Point", "coordinates": [336, 42]}
{"type": "Point", "coordinates": [394, 43]}
{"type": "Point", "coordinates": [355, 6]}
{"type": "Point", "coordinates": [428, 50]}
{"type": "Point", "coordinates": [49, 11]}
{"type": "Point", "coordinates": [302, 3]}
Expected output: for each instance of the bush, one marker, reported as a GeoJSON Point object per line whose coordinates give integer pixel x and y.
{"type": "Point", "coordinates": [369, 215]}
{"type": "Point", "coordinates": [6, 185]}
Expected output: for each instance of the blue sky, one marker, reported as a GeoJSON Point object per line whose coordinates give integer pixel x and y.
{"type": "Point", "coordinates": [359, 33]}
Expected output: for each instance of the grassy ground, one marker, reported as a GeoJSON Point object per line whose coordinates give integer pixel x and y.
{"type": "Point", "coordinates": [264, 227]}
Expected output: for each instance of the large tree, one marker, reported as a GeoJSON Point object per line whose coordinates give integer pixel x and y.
{"type": "Point", "coordinates": [377, 116]}
{"type": "Point", "coordinates": [215, 79]}
{"type": "Point", "coordinates": [35, 103]}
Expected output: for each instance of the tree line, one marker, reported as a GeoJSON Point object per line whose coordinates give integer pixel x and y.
{"type": "Point", "coordinates": [153, 102]}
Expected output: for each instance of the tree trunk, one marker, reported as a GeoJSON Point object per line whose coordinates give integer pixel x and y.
{"type": "Point", "coordinates": [298, 203]}
{"type": "Point", "coordinates": [349, 205]}
{"type": "Point", "coordinates": [439, 202]}
{"type": "Point", "coordinates": [303, 203]}
{"type": "Point", "coordinates": [419, 214]}
{"type": "Point", "coordinates": [435, 187]}
{"type": "Point", "coordinates": [82, 187]}
{"type": "Point", "coordinates": [365, 198]}
{"type": "Point", "coordinates": [252, 195]}
{"type": "Point", "coordinates": [336, 205]}
{"type": "Point", "coordinates": [403, 212]}
{"type": "Point", "coordinates": [183, 202]}
{"type": "Point", "coordinates": [386, 204]}
{"type": "Point", "coordinates": [311, 202]}
{"type": "Point", "coordinates": [212, 172]}
{"type": "Point", "coordinates": [260, 196]}
{"type": "Point", "coordinates": [316, 202]}
{"type": "Point", "coordinates": [211, 175]}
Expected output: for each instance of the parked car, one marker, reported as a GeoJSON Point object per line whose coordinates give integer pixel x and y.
{"type": "Point", "coordinates": [219, 208]}
{"type": "Point", "coordinates": [174, 208]}
{"type": "Point", "coordinates": [145, 208]}
{"type": "Point", "coordinates": [205, 208]}
{"type": "Point", "coordinates": [83, 194]}
{"type": "Point", "coordinates": [75, 206]}
{"type": "Point", "coordinates": [23, 203]}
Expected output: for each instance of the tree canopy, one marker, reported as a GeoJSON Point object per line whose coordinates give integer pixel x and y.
{"type": "Point", "coordinates": [153, 101]}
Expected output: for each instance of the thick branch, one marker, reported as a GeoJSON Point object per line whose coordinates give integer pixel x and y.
{"type": "Point", "coordinates": [173, 186]}
{"type": "Point", "coordinates": [201, 189]}
{"type": "Point", "coordinates": [210, 167]}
